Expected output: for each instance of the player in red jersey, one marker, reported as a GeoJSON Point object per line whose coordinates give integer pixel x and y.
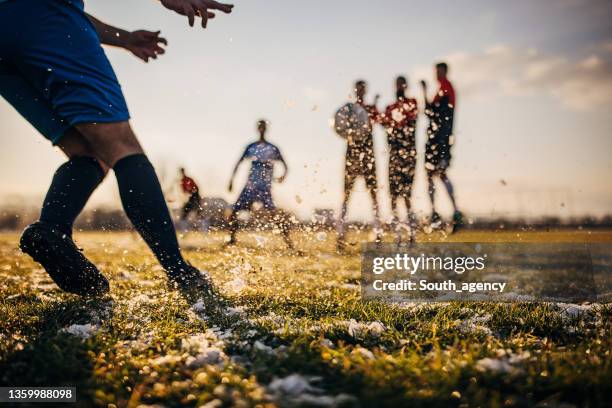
{"type": "Point", "coordinates": [441, 111]}
{"type": "Point", "coordinates": [360, 162]}
{"type": "Point", "coordinates": [194, 203]}
{"type": "Point", "coordinates": [399, 121]}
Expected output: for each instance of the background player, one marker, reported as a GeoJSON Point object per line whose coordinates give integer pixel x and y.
{"type": "Point", "coordinates": [440, 111]}
{"type": "Point", "coordinates": [360, 162]}
{"type": "Point", "coordinates": [258, 188]}
{"type": "Point", "coordinates": [399, 120]}
{"type": "Point", "coordinates": [55, 74]}
{"type": "Point", "coordinates": [194, 202]}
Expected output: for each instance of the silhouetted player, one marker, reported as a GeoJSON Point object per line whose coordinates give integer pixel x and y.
{"type": "Point", "coordinates": [194, 202]}
{"type": "Point", "coordinates": [56, 75]}
{"type": "Point", "coordinates": [399, 120]}
{"type": "Point", "coordinates": [440, 110]}
{"type": "Point", "coordinates": [258, 188]}
{"type": "Point", "coordinates": [360, 162]}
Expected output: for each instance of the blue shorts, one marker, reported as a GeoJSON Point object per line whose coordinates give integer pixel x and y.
{"type": "Point", "coordinates": [252, 194]}
{"type": "Point", "coordinates": [53, 70]}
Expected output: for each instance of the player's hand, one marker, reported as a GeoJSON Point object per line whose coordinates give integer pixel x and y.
{"type": "Point", "coordinates": [197, 8]}
{"type": "Point", "coordinates": [145, 44]}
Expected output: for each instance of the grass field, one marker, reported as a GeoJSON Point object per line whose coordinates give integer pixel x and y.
{"type": "Point", "coordinates": [291, 331]}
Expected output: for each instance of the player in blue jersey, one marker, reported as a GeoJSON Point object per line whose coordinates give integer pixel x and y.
{"type": "Point", "coordinates": [54, 72]}
{"type": "Point", "coordinates": [258, 188]}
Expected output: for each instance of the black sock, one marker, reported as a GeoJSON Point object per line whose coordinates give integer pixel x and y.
{"type": "Point", "coordinates": [72, 185]}
{"type": "Point", "coordinates": [144, 204]}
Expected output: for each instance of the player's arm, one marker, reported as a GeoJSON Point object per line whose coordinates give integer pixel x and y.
{"type": "Point", "coordinates": [424, 88]}
{"type": "Point", "coordinates": [281, 159]}
{"type": "Point", "coordinates": [197, 8]}
{"type": "Point", "coordinates": [142, 43]}
{"type": "Point", "coordinates": [231, 183]}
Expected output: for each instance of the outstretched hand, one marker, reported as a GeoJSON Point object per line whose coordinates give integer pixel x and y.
{"type": "Point", "coordinates": [199, 8]}
{"type": "Point", "coordinates": [145, 44]}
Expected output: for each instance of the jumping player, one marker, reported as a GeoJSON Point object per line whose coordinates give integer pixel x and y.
{"type": "Point", "coordinates": [360, 162]}
{"type": "Point", "coordinates": [194, 202]}
{"type": "Point", "coordinates": [399, 120]}
{"type": "Point", "coordinates": [56, 75]}
{"type": "Point", "coordinates": [440, 111]}
{"type": "Point", "coordinates": [258, 188]}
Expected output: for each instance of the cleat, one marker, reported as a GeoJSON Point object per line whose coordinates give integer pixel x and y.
{"type": "Point", "coordinates": [457, 221]}
{"type": "Point", "coordinates": [189, 278]}
{"type": "Point", "coordinates": [435, 220]}
{"type": "Point", "coordinates": [59, 256]}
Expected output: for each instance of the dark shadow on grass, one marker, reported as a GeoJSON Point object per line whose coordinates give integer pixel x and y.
{"type": "Point", "coordinates": [47, 357]}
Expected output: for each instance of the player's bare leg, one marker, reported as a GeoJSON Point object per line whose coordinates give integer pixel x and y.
{"type": "Point", "coordinates": [341, 243]}
{"type": "Point", "coordinates": [349, 181]}
{"type": "Point", "coordinates": [435, 220]}
{"type": "Point", "coordinates": [73, 144]}
{"type": "Point", "coordinates": [410, 218]}
{"type": "Point", "coordinates": [111, 141]}
{"type": "Point", "coordinates": [395, 222]}
{"type": "Point", "coordinates": [376, 210]}
{"type": "Point", "coordinates": [457, 216]}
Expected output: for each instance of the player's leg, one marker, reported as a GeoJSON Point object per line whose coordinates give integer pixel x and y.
{"type": "Point", "coordinates": [410, 217]}
{"type": "Point", "coordinates": [233, 227]}
{"type": "Point", "coordinates": [49, 240]}
{"type": "Point", "coordinates": [408, 182]}
{"type": "Point", "coordinates": [284, 223]}
{"type": "Point", "coordinates": [73, 183]}
{"type": "Point", "coordinates": [394, 210]}
{"type": "Point", "coordinates": [186, 210]}
{"type": "Point", "coordinates": [449, 188]}
{"type": "Point", "coordinates": [89, 98]}
{"type": "Point", "coordinates": [393, 185]}
{"type": "Point", "coordinates": [431, 189]}
{"type": "Point", "coordinates": [199, 208]}
{"type": "Point", "coordinates": [349, 181]}
{"type": "Point", "coordinates": [457, 215]}
{"type": "Point", "coordinates": [372, 185]}
{"type": "Point", "coordinates": [139, 189]}
{"type": "Point", "coordinates": [281, 218]}
{"type": "Point", "coordinates": [75, 180]}
{"type": "Point", "coordinates": [395, 223]}
{"type": "Point", "coordinates": [244, 202]}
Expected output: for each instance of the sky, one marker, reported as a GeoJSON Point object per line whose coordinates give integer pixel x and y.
{"type": "Point", "coordinates": [532, 125]}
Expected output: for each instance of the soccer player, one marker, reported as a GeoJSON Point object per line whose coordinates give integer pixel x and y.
{"type": "Point", "coordinates": [440, 111]}
{"type": "Point", "coordinates": [399, 120]}
{"type": "Point", "coordinates": [56, 75]}
{"type": "Point", "coordinates": [258, 188]}
{"type": "Point", "coordinates": [194, 202]}
{"type": "Point", "coordinates": [360, 162]}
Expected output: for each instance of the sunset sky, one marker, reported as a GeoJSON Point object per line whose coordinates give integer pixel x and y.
{"type": "Point", "coordinates": [533, 119]}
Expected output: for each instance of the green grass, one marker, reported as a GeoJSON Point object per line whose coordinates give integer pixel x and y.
{"type": "Point", "coordinates": [279, 315]}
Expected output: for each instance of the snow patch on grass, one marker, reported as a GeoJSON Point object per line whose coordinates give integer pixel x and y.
{"type": "Point", "coordinates": [83, 331]}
